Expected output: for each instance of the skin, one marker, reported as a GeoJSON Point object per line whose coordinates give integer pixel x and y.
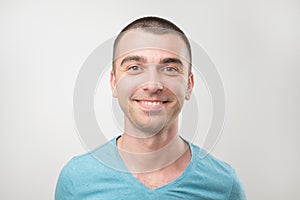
{"type": "Point", "coordinates": [151, 81]}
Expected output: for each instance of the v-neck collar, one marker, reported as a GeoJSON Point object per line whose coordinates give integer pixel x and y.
{"type": "Point", "coordinates": [140, 185]}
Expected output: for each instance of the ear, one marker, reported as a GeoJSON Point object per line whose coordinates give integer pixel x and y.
{"type": "Point", "coordinates": [190, 86]}
{"type": "Point", "coordinates": [113, 84]}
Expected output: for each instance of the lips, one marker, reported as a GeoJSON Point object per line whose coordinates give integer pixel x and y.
{"type": "Point", "coordinates": [151, 104]}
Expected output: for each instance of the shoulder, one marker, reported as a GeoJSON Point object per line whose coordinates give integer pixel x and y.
{"type": "Point", "coordinates": [83, 171]}
{"type": "Point", "coordinates": [85, 164]}
{"type": "Point", "coordinates": [217, 173]}
{"type": "Point", "coordinates": [76, 170]}
{"type": "Point", "coordinates": [92, 162]}
{"type": "Point", "coordinates": [102, 161]}
{"type": "Point", "coordinates": [79, 164]}
{"type": "Point", "coordinates": [204, 159]}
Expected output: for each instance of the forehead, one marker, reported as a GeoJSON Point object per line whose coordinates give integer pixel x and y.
{"type": "Point", "coordinates": [135, 41]}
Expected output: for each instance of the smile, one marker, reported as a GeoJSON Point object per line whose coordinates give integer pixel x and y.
{"type": "Point", "coordinates": [151, 104]}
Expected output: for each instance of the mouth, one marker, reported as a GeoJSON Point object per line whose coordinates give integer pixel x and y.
{"type": "Point", "coordinates": [151, 104]}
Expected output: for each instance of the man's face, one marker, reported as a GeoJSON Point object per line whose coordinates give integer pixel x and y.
{"type": "Point", "coordinates": [151, 79]}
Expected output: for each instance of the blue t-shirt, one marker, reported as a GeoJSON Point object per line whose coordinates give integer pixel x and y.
{"type": "Point", "coordinates": [87, 177]}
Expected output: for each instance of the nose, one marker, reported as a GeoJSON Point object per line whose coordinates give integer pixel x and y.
{"type": "Point", "coordinates": [153, 87]}
{"type": "Point", "coordinates": [154, 83]}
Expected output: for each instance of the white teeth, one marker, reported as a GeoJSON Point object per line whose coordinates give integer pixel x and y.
{"type": "Point", "coordinates": [151, 103]}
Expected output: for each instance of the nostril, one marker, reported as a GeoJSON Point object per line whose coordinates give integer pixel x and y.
{"type": "Point", "coordinates": [160, 86]}
{"type": "Point", "coordinates": [152, 86]}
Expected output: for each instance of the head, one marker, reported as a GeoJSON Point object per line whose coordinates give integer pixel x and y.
{"type": "Point", "coordinates": [154, 25]}
{"type": "Point", "coordinates": [151, 74]}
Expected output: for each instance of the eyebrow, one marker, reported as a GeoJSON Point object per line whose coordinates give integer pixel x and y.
{"type": "Point", "coordinates": [171, 60]}
{"type": "Point", "coordinates": [144, 60]}
{"type": "Point", "coordinates": [134, 58]}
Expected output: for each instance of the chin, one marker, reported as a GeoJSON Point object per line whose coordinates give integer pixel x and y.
{"type": "Point", "coordinates": [149, 129]}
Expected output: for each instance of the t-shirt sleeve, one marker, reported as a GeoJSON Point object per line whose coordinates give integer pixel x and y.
{"type": "Point", "coordinates": [64, 186]}
{"type": "Point", "coordinates": [237, 190]}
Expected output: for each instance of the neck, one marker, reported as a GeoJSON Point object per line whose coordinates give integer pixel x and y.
{"type": "Point", "coordinates": [151, 153]}
{"type": "Point", "coordinates": [132, 143]}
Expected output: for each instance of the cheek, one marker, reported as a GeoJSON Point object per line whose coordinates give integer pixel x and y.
{"type": "Point", "coordinates": [178, 87]}
{"type": "Point", "coordinates": [125, 86]}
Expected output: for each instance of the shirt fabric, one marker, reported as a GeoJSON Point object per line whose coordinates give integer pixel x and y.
{"type": "Point", "coordinates": [87, 177]}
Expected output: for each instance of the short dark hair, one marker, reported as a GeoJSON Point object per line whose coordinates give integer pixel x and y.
{"type": "Point", "coordinates": [154, 25]}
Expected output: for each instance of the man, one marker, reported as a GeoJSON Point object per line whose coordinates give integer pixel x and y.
{"type": "Point", "coordinates": [151, 77]}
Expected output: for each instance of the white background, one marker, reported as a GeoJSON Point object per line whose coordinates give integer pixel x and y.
{"type": "Point", "coordinates": [254, 44]}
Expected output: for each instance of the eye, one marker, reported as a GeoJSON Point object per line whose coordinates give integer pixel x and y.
{"type": "Point", "coordinates": [134, 68]}
{"type": "Point", "coordinates": [170, 70]}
